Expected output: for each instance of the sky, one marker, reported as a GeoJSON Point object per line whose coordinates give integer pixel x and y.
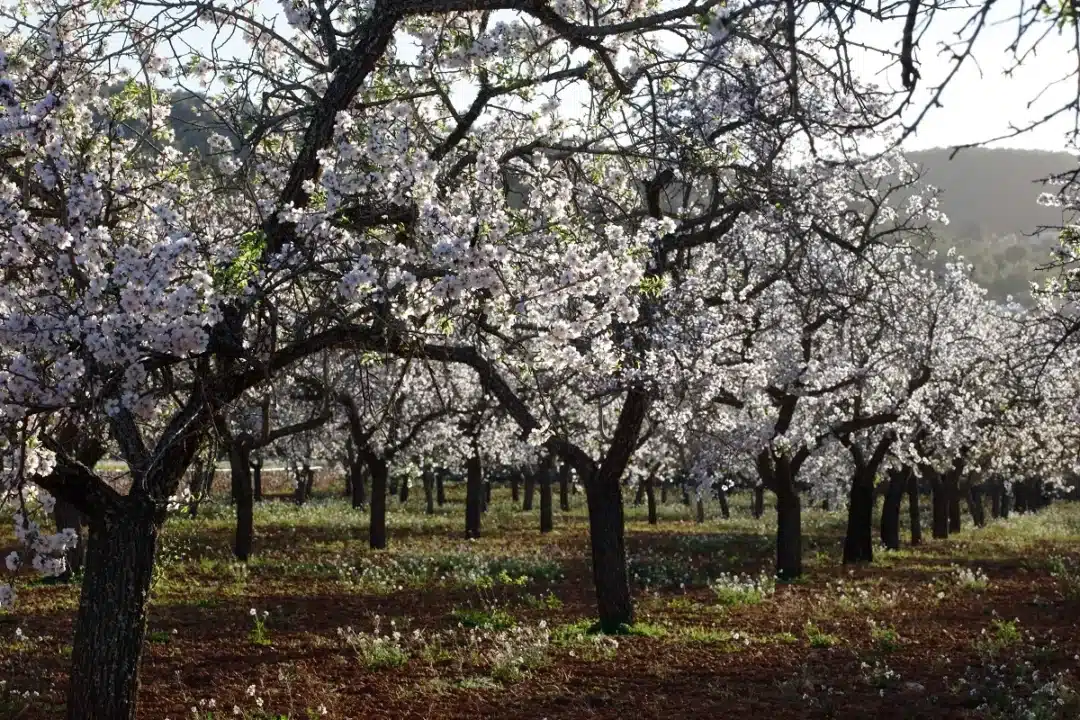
{"type": "Point", "coordinates": [980, 101]}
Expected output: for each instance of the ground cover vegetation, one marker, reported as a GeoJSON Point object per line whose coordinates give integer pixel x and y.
{"type": "Point", "coordinates": [490, 253]}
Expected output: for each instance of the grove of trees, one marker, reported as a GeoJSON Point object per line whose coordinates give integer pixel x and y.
{"type": "Point", "coordinates": [570, 243]}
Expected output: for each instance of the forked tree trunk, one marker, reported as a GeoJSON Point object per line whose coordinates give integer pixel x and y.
{"type": "Point", "coordinates": [239, 466]}
{"type": "Point", "coordinates": [546, 520]}
{"type": "Point", "coordinates": [474, 496]}
{"type": "Point", "coordinates": [788, 530]}
{"type": "Point", "coordinates": [564, 487]}
{"type": "Point", "coordinates": [110, 624]}
{"type": "Point", "coordinates": [377, 530]}
{"type": "Point", "coordinates": [914, 515]}
{"type": "Point", "coordinates": [890, 510]}
{"type": "Point", "coordinates": [858, 541]}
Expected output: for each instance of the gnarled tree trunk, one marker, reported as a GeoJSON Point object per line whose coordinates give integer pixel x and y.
{"type": "Point", "coordinates": [110, 624]}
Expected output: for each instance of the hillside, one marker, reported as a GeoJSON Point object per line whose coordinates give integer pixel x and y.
{"type": "Point", "coordinates": [990, 198]}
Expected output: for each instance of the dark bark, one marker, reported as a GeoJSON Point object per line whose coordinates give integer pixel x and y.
{"type": "Point", "coordinates": [995, 500]}
{"type": "Point", "coordinates": [1006, 503]}
{"type": "Point", "coordinates": [530, 490]}
{"type": "Point", "coordinates": [429, 491]}
{"type": "Point", "coordinates": [546, 478]}
{"type": "Point", "coordinates": [858, 540]}
{"type": "Point", "coordinates": [975, 504]}
{"type": "Point", "coordinates": [952, 485]}
{"type": "Point", "coordinates": [474, 496]}
{"type": "Point", "coordinates": [487, 495]}
{"type": "Point", "coordinates": [377, 528]}
{"type": "Point", "coordinates": [609, 552]}
{"type": "Point", "coordinates": [639, 493]}
{"type": "Point", "coordinates": [110, 624]}
{"type": "Point", "coordinates": [788, 530]}
{"type": "Point", "coordinates": [243, 497]}
{"type": "Point", "coordinates": [309, 481]}
{"type": "Point", "coordinates": [914, 515]}
{"type": "Point", "coordinates": [256, 479]}
{"type": "Point", "coordinates": [403, 491]}
{"type": "Point", "coordinates": [758, 507]}
{"type": "Point", "coordinates": [440, 489]}
{"type": "Point", "coordinates": [940, 502]}
{"type": "Point", "coordinates": [359, 485]}
{"type": "Point", "coordinates": [564, 487]}
{"type": "Point", "coordinates": [663, 492]}
{"type": "Point", "coordinates": [67, 516]}
{"type": "Point", "coordinates": [721, 496]}
{"type": "Point", "coordinates": [650, 494]}
{"type": "Point", "coordinates": [890, 509]}
{"type": "Point", "coordinates": [700, 517]}
{"type": "Point", "coordinates": [515, 484]}
{"type": "Point", "coordinates": [1020, 497]}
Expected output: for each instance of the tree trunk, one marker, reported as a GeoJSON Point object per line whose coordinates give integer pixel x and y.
{"type": "Point", "coordinates": [788, 530]}
{"type": "Point", "coordinates": [429, 491]}
{"type": "Point", "coordinates": [515, 483]}
{"type": "Point", "coordinates": [440, 489]}
{"type": "Point", "coordinates": [952, 484]}
{"type": "Point", "coordinates": [914, 516]}
{"type": "Point", "coordinates": [256, 478]}
{"type": "Point", "coordinates": [110, 624]}
{"type": "Point", "coordinates": [474, 496]}
{"type": "Point", "coordinates": [564, 487]}
{"type": "Point", "coordinates": [663, 492]}
{"type": "Point", "coordinates": [66, 516]}
{"type": "Point", "coordinates": [309, 481]}
{"type": "Point", "coordinates": [890, 510]}
{"type": "Point", "coordinates": [725, 511]}
{"type": "Point", "coordinates": [758, 508]}
{"type": "Point", "coordinates": [359, 489]}
{"type": "Point", "coordinates": [486, 496]}
{"type": "Point", "coordinates": [700, 517]}
{"type": "Point", "coordinates": [975, 505]}
{"type": "Point", "coordinates": [606, 529]}
{"type": "Point", "coordinates": [858, 541]}
{"type": "Point", "coordinates": [403, 490]}
{"type": "Point", "coordinates": [995, 500]}
{"type": "Point", "coordinates": [377, 528]}
{"type": "Point", "coordinates": [530, 490]}
{"type": "Point", "coordinates": [639, 494]}
{"type": "Point", "coordinates": [546, 473]}
{"type": "Point", "coordinates": [1020, 497]}
{"type": "Point", "coordinates": [650, 494]}
{"type": "Point", "coordinates": [240, 468]}
{"type": "Point", "coordinates": [940, 502]}
{"type": "Point", "coordinates": [195, 487]}
{"type": "Point", "coordinates": [1006, 501]}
